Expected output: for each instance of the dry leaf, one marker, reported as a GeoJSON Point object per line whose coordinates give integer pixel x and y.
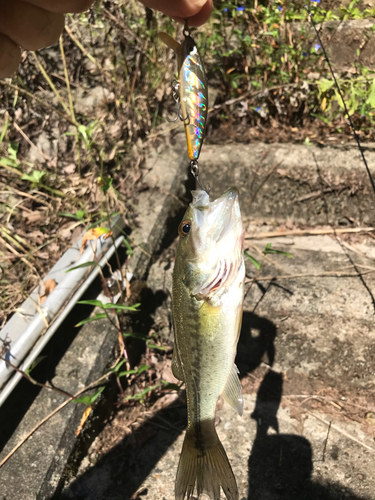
{"type": "Point", "coordinates": [70, 169]}
{"type": "Point", "coordinates": [49, 286]}
{"type": "Point", "coordinates": [54, 247]}
{"type": "Point", "coordinates": [94, 234]}
{"type": "Point", "coordinates": [33, 216]}
{"type": "Point", "coordinates": [86, 413]}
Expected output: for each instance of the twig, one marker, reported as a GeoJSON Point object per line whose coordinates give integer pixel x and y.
{"type": "Point", "coordinates": [71, 105]}
{"type": "Point", "coordinates": [56, 410]}
{"type": "Point", "coordinates": [82, 48]}
{"type": "Point", "coordinates": [33, 381]}
{"type": "Point", "coordinates": [326, 441]}
{"type": "Point", "coordinates": [341, 431]}
{"type": "Point", "coordinates": [37, 99]}
{"type": "Point", "coordinates": [52, 86]}
{"type": "Point", "coordinates": [328, 274]}
{"type": "Point", "coordinates": [316, 194]}
{"type": "Point", "coordinates": [29, 141]}
{"type": "Point", "coordinates": [308, 232]}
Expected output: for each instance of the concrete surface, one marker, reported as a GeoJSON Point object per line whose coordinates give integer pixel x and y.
{"type": "Point", "coordinates": [306, 353]}
{"type": "Point", "coordinates": [35, 470]}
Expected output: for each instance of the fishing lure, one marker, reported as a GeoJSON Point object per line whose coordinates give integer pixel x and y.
{"type": "Point", "coordinates": [190, 93]}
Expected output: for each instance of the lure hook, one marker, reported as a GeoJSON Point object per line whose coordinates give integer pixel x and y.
{"type": "Point", "coordinates": [175, 94]}
{"type": "Point", "coordinates": [194, 169]}
{"type": "Point", "coordinates": [178, 112]}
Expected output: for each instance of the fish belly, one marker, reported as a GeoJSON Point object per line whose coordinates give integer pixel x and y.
{"type": "Point", "coordinates": [206, 335]}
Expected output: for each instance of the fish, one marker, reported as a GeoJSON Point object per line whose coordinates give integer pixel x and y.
{"type": "Point", "coordinates": [207, 302]}
{"type": "Point", "coordinates": [193, 93]}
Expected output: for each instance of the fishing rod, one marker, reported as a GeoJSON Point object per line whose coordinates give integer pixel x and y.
{"type": "Point", "coordinates": [342, 98]}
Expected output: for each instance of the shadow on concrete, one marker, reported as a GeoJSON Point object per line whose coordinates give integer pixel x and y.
{"type": "Point", "coordinates": [256, 343]}
{"type": "Point", "coordinates": [280, 465]}
{"type": "Point", "coordinates": [122, 471]}
{"type": "Point", "coordinates": [142, 321]}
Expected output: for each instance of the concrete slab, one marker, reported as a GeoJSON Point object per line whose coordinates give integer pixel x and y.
{"type": "Point", "coordinates": [306, 353]}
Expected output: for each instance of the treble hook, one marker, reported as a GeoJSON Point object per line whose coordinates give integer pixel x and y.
{"type": "Point", "coordinates": [178, 112]}
{"type": "Point", "coordinates": [175, 88]}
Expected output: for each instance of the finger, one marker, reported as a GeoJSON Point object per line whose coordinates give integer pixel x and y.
{"type": "Point", "coordinates": [30, 27]}
{"type": "Point", "coordinates": [62, 6]}
{"type": "Point", "coordinates": [10, 56]}
{"type": "Point", "coordinates": [200, 18]}
{"type": "Point", "coordinates": [178, 9]}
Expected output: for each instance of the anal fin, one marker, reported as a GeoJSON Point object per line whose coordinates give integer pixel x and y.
{"type": "Point", "coordinates": [232, 393]}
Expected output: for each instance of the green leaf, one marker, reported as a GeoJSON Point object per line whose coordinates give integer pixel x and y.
{"type": "Point", "coordinates": [91, 318]}
{"type": "Point", "coordinates": [66, 214]}
{"type": "Point", "coordinates": [121, 307]}
{"type": "Point", "coordinates": [154, 346]}
{"type": "Point", "coordinates": [129, 250]}
{"type": "Point", "coordinates": [268, 250]}
{"type": "Point", "coordinates": [169, 386]}
{"type": "Point", "coordinates": [85, 264]}
{"type": "Point", "coordinates": [117, 367]}
{"type": "Point", "coordinates": [89, 400]}
{"type": "Point", "coordinates": [325, 84]}
{"type": "Point", "coordinates": [34, 364]}
{"type": "Point", "coordinates": [371, 98]}
{"type": "Point", "coordinates": [141, 395]}
{"type": "Point", "coordinates": [137, 371]}
{"type": "Point", "coordinates": [94, 302]}
{"type": "Point", "coordinates": [36, 177]}
{"type": "Point", "coordinates": [4, 131]}
{"type": "Point", "coordinates": [252, 260]}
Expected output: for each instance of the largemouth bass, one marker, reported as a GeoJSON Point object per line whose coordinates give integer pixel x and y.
{"type": "Point", "coordinates": [208, 291]}
{"type": "Point", "coordinates": [192, 87]}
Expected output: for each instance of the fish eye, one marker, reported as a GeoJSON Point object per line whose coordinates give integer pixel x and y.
{"type": "Point", "coordinates": [184, 228]}
{"type": "Point", "coordinates": [191, 48]}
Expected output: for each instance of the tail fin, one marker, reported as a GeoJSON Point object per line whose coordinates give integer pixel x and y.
{"type": "Point", "coordinates": [204, 463]}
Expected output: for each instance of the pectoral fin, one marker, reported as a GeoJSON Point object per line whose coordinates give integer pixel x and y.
{"type": "Point", "coordinates": [233, 391]}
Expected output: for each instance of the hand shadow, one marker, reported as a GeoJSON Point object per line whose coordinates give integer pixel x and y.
{"type": "Point", "coordinates": [280, 465]}
{"type": "Point", "coordinates": [256, 343]}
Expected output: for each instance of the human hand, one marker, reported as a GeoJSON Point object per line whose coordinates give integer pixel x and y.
{"type": "Point", "coordinates": [197, 11]}
{"type": "Point", "coordinates": [31, 25]}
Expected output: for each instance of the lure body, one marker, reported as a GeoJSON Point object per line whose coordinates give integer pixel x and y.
{"type": "Point", "coordinates": [193, 95]}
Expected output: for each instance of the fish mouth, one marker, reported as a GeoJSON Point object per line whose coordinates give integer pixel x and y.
{"type": "Point", "coordinates": [219, 240]}
{"type": "Point", "coordinates": [227, 210]}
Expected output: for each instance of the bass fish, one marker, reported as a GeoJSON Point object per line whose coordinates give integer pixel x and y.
{"type": "Point", "coordinates": [207, 299]}
{"type": "Point", "coordinates": [192, 89]}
